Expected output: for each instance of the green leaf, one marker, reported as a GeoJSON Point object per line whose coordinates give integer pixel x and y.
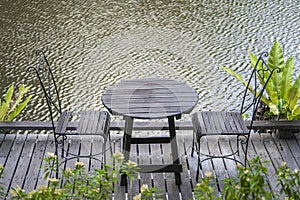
{"type": "Point", "coordinates": [276, 60]}
{"type": "Point", "coordinates": [4, 107]}
{"type": "Point", "coordinates": [9, 109]}
{"type": "Point", "coordinates": [287, 78]}
{"type": "Point", "coordinates": [19, 108]}
{"type": "Point", "coordinates": [240, 78]}
{"type": "Point", "coordinates": [295, 114]}
{"type": "Point", "coordinates": [294, 94]}
{"type": "Point", "coordinates": [22, 91]}
{"type": "Point", "coordinates": [270, 88]}
{"type": "Point", "coordinates": [8, 94]}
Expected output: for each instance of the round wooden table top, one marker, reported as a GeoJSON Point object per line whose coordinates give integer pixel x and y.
{"type": "Point", "coordinates": [150, 98]}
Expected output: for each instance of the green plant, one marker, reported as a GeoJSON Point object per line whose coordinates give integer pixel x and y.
{"type": "Point", "coordinates": [289, 181]}
{"type": "Point", "coordinates": [205, 189]}
{"type": "Point", "coordinates": [147, 193]}
{"type": "Point", "coordinates": [78, 183]}
{"type": "Point", "coordinates": [282, 94]}
{"type": "Point", "coordinates": [10, 107]}
{"type": "Point", "coordinates": [250, 183]}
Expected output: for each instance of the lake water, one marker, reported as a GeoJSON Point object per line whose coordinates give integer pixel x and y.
{"type": "Point", "coordinates": [93, 44]}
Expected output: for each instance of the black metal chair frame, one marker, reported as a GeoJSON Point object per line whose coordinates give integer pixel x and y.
{"type": "Point", "coordinates": [100, 125]}
{"type": "Point", "coordinates": [261, 72]}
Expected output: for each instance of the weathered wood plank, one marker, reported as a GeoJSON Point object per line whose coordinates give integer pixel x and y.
{"type": "Point", "coordinates": [12, 161]}
{"type": "Point", "coordinates": [119, 192]}
{"type": "Point", "coordinates": [26, 152]}
{"type": "Point", "coordinates": [6, 147]}
{"type": "Point", "coordinates": [34, 171]}
{"type": "Point", "coordinates": [134, 187]}
{"type": "Point", "coordinates": [140, 125]}
{"type": "Point", "coordinates": [294, 147]}
{"type": "Point", "coordinates": [50, 147]}
{"type": "Point", "coordinates": [172, 188]}
{"type": "Point", "coordinates": [144, 159]}
{"type": "Point", "coordinates": [24, 162]}
{"type": "Point", "coordinates": [207, 166]}
{"type": "Point", "coordinates": [158, 178]}
{"type": "Point", "coordinates": [260, 150]}
{"type": "Point", "coordinates": [185, 187]}
{"type": "Point", "coordinates": [218, 164]}
{"type": "Point", "coordinates": [114, 126]}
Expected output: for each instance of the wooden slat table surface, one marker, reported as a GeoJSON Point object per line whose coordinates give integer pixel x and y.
{"type": "Point", "coordinates": [154, 98]}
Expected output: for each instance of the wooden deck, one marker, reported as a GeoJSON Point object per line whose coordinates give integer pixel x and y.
{"type": "Point", "coordinates": [22, 156]}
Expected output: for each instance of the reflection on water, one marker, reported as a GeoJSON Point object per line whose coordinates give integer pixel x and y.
{"type": "Point", "coordinates": [92, 44]}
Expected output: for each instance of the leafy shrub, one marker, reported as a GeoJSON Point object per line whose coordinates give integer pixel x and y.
{"type": "Point", "coordinates": [78, 183]}
{"type": "Point", "coordinates": [251, 183]}
{"type": "Point", "coordinates": [147, 193]}
{"type": "Point", "coordinates": [289, 181]}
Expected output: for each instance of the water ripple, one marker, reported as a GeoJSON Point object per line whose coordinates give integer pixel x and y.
{"type": "Point", "coordinates": [93, 44]}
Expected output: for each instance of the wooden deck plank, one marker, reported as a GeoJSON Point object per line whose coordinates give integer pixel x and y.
{"type": "Point", "coordinates": [25, 154]}
{"type": "Point", "coordinates": [139, 125]}
{"type": "Point", "coordinates": [35, 164]}
{"type": "Point", "coordinates": [259, 148]}
{"type": "Point", "coordinates": [24, 162]}
{"type": "Point", "coordinates": [294, 147]}
{"type": "Point", "coordinates": [227, 146]}
{"type": "Point", "coordinates": [186, 187]}
{"type": "Point", "coordinates": [50, 147]}
{"type": "Point", "coordinates": [134, 186]}
{"type": "Point", "coordinates": [119, 192]}
{"type": "Point", "coordinates": [172, 188]}
{"type": "Point", "coordinates": [158, 178]}
{"type": "Point", "coordinates": [218, 164]}
{"type": "Point", "coordinates": [12, 160]}
{"type": "Point", "coordinates": [143, 158]}
{"type": "Point", "coordinates": [207, 166]}
{"type": "Point", "coordinates": [5, 148]}
{"type": "Point", "coordinates": [192, 163]}
{"type": "Point", "coordinates": [2, 137]}
{"type": "Point", "coordinates": [284, 151]}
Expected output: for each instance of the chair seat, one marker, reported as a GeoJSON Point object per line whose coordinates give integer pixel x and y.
{"type": "Point", "coordinates": [90, 123]}
{"type": "Point", "coordinates": [219, 123]}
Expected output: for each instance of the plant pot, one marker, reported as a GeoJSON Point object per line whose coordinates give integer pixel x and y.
{"type": "Point", "coordinates": [285, 133]}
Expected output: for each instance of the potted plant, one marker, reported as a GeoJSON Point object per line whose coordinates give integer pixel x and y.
{"type": "Point", "coordinates": [283, 93]}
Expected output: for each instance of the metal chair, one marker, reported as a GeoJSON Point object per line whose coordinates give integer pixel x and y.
{"type": "Point", "coordinates": [212, 123]}
{"type": "Point", "coordinates": [93, 125]}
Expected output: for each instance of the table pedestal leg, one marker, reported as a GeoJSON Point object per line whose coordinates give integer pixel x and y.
{"type": "Point", "coordinates": [174, 147]}
{"type": "Point", "coordinates": [126, 144]}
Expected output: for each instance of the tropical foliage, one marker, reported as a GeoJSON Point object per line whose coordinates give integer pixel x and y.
{"type": "Point", "coordinates": [251, 182]}
{"type": "Point", "coordinates": [78, 183]}
{"type": "Point", "coordinates": [11, 107]}
{"type": "Point", "coordinates": [282, 93]}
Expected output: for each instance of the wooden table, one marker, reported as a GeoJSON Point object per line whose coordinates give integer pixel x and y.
{"type": "Point", "coordinates": [151, 98]}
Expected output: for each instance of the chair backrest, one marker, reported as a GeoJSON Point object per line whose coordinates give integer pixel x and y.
{"type": "Point", "coordinates": [48, 84]}
{"type": "Point", "coordinates": [256, 87]}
